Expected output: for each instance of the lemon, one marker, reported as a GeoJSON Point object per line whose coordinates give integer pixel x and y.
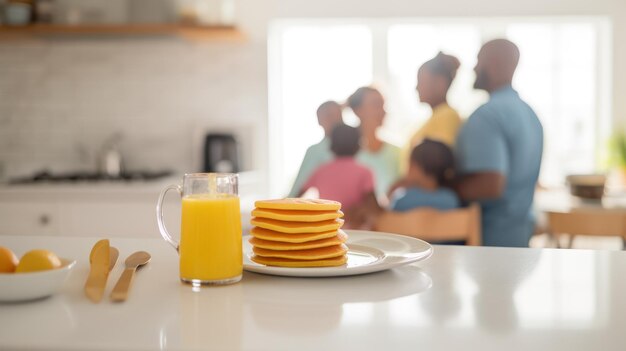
{"type": "Point", "coordinates": [8, 260]}
{"type": "Point", "coordinates": [38, 260]}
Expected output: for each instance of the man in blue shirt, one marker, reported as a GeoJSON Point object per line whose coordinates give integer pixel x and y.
{"type": "Point", "coordinates": [499, 151]}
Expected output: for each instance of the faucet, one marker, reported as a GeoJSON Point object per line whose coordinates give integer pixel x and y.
{"type": "Point", "coordinates": [110, 162]}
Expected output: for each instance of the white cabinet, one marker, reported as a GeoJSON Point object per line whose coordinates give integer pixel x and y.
{"type": "Point", "coordinates": [19, 217]}
{"type": "Point", "coordinates": [117, 218]}
{"type": "Point", "coordinates": [100, 211]}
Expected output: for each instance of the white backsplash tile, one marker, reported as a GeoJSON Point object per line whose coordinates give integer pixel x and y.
{"type": "Point", "coordinates": [60, 99]}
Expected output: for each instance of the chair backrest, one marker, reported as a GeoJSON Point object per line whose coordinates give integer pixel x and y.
{"type": "Point", "coordinates": [588, 222]}
{"type": "Point", "coordinates": [434, 225]}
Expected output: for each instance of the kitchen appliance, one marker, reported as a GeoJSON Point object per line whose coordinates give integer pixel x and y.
{"type": "Point", "coordinates": [220, 153]}
{"type": "Point", "coordinates": [110, 163]}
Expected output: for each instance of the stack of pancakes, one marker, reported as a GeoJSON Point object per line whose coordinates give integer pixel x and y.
{"type": "Point", "coordinates": [298, 233]}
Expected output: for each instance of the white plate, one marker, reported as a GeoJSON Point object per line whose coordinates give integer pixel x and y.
{"type": "Point", "coordinates": [368, 252]}
{"type": "Point", "coordinates": [33, 285]}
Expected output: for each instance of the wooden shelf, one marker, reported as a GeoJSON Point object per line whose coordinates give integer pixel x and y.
{"type": "Point", "coordinates": [191, 32]}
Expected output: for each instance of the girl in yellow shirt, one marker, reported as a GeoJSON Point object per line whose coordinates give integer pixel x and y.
{"type": "Point", "coordinates": [433, 81]}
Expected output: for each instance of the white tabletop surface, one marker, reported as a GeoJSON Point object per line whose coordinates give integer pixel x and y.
{"type": "Point", "coordinates": [462, 298]}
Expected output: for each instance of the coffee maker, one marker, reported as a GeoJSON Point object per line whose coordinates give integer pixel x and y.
{"type": "Point", "coordinates": [220, 153]}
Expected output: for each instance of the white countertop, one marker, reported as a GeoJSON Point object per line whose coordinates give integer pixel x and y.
{"type": "Point", "coordinates": [462, 298]}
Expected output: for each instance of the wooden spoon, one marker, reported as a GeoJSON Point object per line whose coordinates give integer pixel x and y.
{"type": "Point", "coordinates": [113, 255]}
{"type": "Point", "coordinates": [120, 291]}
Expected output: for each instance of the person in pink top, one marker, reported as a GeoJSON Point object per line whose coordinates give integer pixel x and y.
{"type": "Point", "coordinates": [343, 179]}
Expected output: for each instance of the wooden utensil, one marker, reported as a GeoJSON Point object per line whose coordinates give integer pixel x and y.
{"type": "Point", "coordinates": [137, 259]}
{"type": "Point", "coordinates": [113, 255]}
{"type": "Point", "coordinates": [99, 259]}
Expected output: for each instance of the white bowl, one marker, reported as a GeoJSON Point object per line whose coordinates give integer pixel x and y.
{"type": "Point", "coordinates": [587, 186]}
{"type": "Point", "coordinates": [34, 285]}
{"type": "Point", "coordinates": [586, 179]}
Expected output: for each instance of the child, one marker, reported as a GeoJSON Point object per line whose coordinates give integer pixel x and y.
{"type": "Point", "coordinates": [328, 116]}
{"type": "Point", "coordinates": [343, 179]}
{"type": "Point", "coordinates": [431, 169]}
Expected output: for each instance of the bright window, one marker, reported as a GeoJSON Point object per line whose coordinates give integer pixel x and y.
{"type": "Point", "coordinates": [558, 77]}
{"type": "Point", "coordinates": [562, 74]}
{"type": "Point", "coordinates": [310, 64]}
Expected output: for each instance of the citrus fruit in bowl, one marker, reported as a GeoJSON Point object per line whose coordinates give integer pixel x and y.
{"type": "Point", "coordinates": [38, 274]}
{"type": "Point", "coordinates": [8, 260]}
{"type": "Point", "coordinates": [38, 260]}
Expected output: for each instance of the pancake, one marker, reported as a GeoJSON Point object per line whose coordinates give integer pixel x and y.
{"type": "Point", "coordinates": [338, 239]}
{"type": "Point", "coordinates": [285, 262]}
{"type": "Point", "coordinates": [267, 234]}
{"type": "Point", "coordinates": [296, 215]}
{"type": "Point", "coordinates": [309, 254]}
{"type": "Point", "coordinates": [299, 204]}
{"type": "Point", "coordinates": [297, 227]}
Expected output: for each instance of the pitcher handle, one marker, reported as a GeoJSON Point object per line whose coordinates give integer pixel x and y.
{"type": "Point", "coordinates": [159, 212]}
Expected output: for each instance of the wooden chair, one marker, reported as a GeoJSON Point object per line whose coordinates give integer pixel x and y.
{"type": "Point", "coordinates": [586, 222]}
{"type": "Point", "coordinates": [434, 225]}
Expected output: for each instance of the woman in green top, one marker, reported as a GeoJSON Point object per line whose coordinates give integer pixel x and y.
{"type": "Point", "coordinates": [382, 158]}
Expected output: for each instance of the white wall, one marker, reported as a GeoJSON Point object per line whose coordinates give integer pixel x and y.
{"type": "Point", "coordinates": [59, 99]}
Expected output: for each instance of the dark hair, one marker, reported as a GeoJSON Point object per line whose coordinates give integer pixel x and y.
{"type": "Point", "coordinates": [436, 159]}
{"type": "Point", "coordinates": [443, 65]}
{"type": "Point", "coordinates": [326, 105]}
{"type": "Point", "coordinates": [344, 140]}
{"type": "Point", "coordinates": [356, 99]}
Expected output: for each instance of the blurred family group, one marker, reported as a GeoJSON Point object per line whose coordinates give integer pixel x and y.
{"type": "Point", "coordinates": [493, 157]}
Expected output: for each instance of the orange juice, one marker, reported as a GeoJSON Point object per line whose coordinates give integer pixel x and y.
{"type": "Point", "coordinates": [210, 239]}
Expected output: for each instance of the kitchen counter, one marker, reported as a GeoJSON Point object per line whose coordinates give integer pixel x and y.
{"type": "Point", "coordinates": [249, 182]}
{"type": "Point", "coordinates": [111, 208]}
{"type": "Point", "coordinates": [462, 298]}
